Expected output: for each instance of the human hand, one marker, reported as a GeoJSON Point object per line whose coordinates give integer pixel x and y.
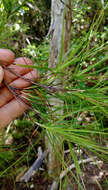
{"type": "Point", "coordinates": [11, 107]}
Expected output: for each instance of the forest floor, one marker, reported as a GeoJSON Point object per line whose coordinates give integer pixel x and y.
{"type": "Point", "coordinates": [94, 177]}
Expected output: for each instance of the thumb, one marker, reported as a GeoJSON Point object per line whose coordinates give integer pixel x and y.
{"type": "Point", "coordinates": [1, 74]}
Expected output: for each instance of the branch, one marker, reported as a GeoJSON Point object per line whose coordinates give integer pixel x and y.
{"type": "Point", "coordinates": [55, 184]}
{"type": "Point", "coordinates": [33, 168]}
{"type": "Point", "coordinates": [73, 166]}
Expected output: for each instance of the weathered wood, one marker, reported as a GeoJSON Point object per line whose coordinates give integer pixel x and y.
{"type": "Point", "coordinates": [61, 19]}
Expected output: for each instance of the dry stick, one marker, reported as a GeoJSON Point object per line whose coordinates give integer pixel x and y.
{"type": "Point", "coordinates": [55, 184]}
{"type": "Point", "coordinates": [34, 167]}
{"type": "Point", "coordinates": [72, 166]}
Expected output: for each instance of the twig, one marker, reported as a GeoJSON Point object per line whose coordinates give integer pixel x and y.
{"type": "Point", "coordinates": [50, 88]}
{"type": "Point", "coordinates": [32, 82]}
{"type": "Point", "coordinates": [8, 128]}
{"type": "Point", "coordinates": [34, 167]}
{"type": "Point", "coordinates": [22, 99]}
{"type": "Point", "coordinates": [72, 166]}
{"type": "Point", "coordinates": [55, 184]}
{"type": "Point", "coordinates": [83, 183]}
{"type": "Point", "coordinates": [7, 137]}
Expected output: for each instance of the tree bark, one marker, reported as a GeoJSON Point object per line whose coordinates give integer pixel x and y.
{"type": "Point", "coordinates": [61, 19]}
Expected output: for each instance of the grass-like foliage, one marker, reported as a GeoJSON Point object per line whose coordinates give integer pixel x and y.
{"type": "Point", "coordinates": [83, 91]}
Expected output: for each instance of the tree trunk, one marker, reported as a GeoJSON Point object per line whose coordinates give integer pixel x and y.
{"type": "Point", "coordinates": [61, 19]}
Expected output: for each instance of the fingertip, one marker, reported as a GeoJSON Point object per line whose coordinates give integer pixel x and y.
{"type": "Point", "coordinates": [1, 74]}
{"type": "Point", "coordinates": [6, 56]}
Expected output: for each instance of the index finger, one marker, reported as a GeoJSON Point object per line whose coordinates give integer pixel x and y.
{"type": "Point", "coordinates": [6, 56]}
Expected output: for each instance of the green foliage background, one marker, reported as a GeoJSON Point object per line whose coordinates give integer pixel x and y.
{"type": "Point", "coordinates": [83, 71]}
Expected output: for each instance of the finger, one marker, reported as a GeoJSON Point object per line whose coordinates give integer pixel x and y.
{"type": "Point", "coordinates": [1, 74]}
{"type": "Point", "coordinates": [22, 83]}
{"type": "Point", "coordinates": [10, 111]}
{"type": "Point", "coordinates": [6, 95]}
{"type": "Point", "coordinates": [9, 77]}
{"type": "Point", "coordinates": [6, 56]}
